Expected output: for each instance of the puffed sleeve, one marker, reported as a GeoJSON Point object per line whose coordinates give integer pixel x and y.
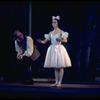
{"type": "Point", "coordinates": [47, 36]}
{"type": "Point", "coordinates": [65, 35]}
{"type": "Point", "coordinates": [17, 48]}
{"type": "Point", "coordinates": [29, 50]}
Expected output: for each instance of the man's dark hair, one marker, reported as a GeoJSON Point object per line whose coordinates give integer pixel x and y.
{"type": "Point", "coordinates": [15, 34]}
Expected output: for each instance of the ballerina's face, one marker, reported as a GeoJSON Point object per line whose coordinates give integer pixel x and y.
{"type": "Point", "coordinates": [54, 23]}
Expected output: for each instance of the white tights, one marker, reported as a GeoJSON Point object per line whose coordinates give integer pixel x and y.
{"type": "Point", "coordinates": [59, 72]}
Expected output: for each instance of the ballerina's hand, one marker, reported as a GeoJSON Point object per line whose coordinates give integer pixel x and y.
{"type": "Point", "coordinates": [58, 40]}
{"type": "Point", "coordinates": [39, 40]}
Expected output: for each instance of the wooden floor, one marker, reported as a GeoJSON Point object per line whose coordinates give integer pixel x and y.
{"type": "Point", "coordinates": [42, 90]}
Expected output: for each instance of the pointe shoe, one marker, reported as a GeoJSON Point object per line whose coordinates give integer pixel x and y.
{"type": "Point", "coordinates": [58, 85]}
{"type": "Point", "coordinates": [54, 84]}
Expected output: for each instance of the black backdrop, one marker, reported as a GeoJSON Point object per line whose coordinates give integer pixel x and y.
{"type": "Point", "coordinates": [76, 18]}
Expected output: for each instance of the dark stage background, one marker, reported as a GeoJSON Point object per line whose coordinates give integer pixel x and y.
{"type": "Point", "coordinates": [81, 19]}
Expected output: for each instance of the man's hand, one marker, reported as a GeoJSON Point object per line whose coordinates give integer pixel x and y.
{"type": "Point", "coordinates": [20, 57]}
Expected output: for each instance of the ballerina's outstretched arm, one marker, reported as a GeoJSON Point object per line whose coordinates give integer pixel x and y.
{"type": "Point", "coordinates": [42, 41]}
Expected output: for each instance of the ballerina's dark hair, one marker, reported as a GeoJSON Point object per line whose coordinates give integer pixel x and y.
{"type": "Point", "coordinates": [57, 18]}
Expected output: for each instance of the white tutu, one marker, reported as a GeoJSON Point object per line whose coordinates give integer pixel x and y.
{"type": "Point", "coordinates": [56, 56]}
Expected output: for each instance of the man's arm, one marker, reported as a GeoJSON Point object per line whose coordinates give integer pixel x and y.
{"type": "Point", "coordinates": [29, 50]}
{"type": "Point", "coordinates": [17, 48]}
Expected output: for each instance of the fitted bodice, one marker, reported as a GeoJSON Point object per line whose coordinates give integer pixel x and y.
{"type": "Point", "coordinates": [53, 39]}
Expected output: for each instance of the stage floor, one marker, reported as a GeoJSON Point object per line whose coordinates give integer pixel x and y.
{"type": "Point", "coordinates": [42, 89]}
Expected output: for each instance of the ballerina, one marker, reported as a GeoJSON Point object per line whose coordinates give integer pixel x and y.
{"type": "Point", "coordinates": [57, 56]}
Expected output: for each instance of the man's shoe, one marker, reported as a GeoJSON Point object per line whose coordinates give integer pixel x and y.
{"type": "Point", "coordinates": [28, 82]}
{"type": "Point", "coordinates": [31, 82]}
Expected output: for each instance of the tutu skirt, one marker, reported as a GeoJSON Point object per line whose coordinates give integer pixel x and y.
{"type": "Point", "coordinates": [57, 57]}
